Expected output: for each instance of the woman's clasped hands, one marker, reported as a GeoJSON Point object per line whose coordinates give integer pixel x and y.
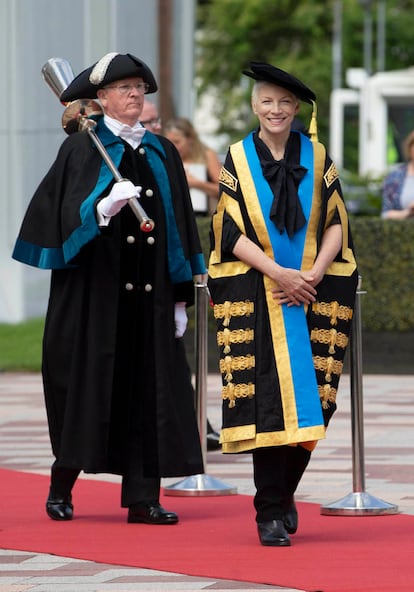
{"type": "Point", "coordinates": [295, 287]}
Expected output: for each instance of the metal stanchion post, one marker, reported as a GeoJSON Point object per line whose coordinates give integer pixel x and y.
{"type": "Point", "coordinates": [201, 484]}
{"type": "Point", "coordinates": [359, 502]}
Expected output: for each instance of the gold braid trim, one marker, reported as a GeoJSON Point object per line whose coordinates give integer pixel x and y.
{"type": "Point", "coordinates": [232, 309]}
{"type": "Point", "coordinates": [227, 337]}
{"type": "Point", "coordinates": [232, 391]}
{"type": "Point", "coordinates": [327, 395]}
{"type": "Point", "coordinates": [230, 364]}
{"type": "Point", "coordinates": [328, 365]}
{"type": "Point", "coordinates": [333, 310]}
{"type": "Point", "coordinates": [330, 337]}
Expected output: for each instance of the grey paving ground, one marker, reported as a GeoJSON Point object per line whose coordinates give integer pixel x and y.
{"type": "Point", "coordinates": [388, 457]}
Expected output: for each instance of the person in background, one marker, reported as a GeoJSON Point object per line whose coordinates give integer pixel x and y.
{"type": "Point", "coordinates": [282, 277]}
{"type": "Point", "coordinates": [182, 133]}
{"type": "Point", "coordinates": [201, 163]}
{"type": "Point", "coordinates": [150, 117]}
{"type": "Point", "coordinates": [116, 380]}
{"type": "Point", "coordinates": [398, 186]}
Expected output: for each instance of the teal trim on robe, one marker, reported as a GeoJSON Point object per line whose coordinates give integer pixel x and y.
{"type": "Point", "coordinates": [180, 268]}
{"type": "Point", "coordinates": [41, 257]}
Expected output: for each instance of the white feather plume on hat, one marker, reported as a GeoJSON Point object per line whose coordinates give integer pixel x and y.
{"type": "Point", "coordinates": [100, 68]}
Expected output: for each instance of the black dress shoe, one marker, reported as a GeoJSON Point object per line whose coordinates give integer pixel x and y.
{"type": "Point", "coordinates": [213, 441]}
{"type": "Point", "coordinates": [59, 508]}
{"type": "Point", "coordinates": [273, 534]}
{"type": "Point", "coordinates": [290, 518]}
{"type": "Point", "coordinates": [151, 513]}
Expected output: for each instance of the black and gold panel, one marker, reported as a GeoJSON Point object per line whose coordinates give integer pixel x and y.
{"type": "Point", "coordinates": [330, 320]}
{"type": "Point", "coordinates": [236, 320]}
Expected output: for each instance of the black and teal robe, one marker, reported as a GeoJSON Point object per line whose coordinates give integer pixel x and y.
{"type": "Point", "coordinates": [280, 365]}
{"type": "Point", "coordinates": [113, 371]}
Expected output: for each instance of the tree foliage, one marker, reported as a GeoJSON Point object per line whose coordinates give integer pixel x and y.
{"type": "Point", "coordinates": [295, 35]}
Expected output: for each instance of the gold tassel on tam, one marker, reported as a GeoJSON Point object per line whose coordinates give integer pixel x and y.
{"type": "Point", "coordinates": [313, 126]}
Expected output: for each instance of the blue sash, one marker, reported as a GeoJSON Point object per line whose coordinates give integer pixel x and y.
{"type": "Point", "coordinates": [288, 252]}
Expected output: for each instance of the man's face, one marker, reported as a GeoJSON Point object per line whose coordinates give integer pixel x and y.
{"type": "Point", "coordinates": [150, 117]}
{"type": "Point", "coordinates": [123, 100]}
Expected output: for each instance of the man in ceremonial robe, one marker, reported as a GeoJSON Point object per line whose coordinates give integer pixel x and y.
{"type": "Point", "coordinates": [282, 276]}
{"type": "Point", "coordinates": [116, 381]}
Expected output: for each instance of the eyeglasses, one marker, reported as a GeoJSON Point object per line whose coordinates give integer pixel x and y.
{"type": "Point", "coordinates": [153, 122]}
{"type": "Point", "coordinates": [126, 89]}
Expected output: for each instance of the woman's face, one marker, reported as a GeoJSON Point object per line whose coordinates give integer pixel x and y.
{"type": "Point", "coordinates": [275, 108]}
{"type": "Point", "coordinates": [181, 142]}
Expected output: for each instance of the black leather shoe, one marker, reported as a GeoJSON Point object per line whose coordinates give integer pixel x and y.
{"type": "Point", "coordinates": [273, 534]}
{"type": "Point", "coordinates": [213, 441]}
{"type": "Point", "coordinates": [290, 518]}
{"type": "Point", "coordinates": [151, 513]}
{"type": "Point", "coordinates": [59, 508]}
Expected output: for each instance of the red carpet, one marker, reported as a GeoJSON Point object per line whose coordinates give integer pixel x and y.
{"type": "Point", "coordinates": [216, 537]}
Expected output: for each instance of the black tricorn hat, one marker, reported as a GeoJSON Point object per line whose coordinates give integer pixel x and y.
{"type": "Point", "coordinates": [269, 73]}
{"type": "Point", "coordinates": [112, 67]}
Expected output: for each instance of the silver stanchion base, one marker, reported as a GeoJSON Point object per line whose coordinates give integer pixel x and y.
{"type": "Point", "coordinates": [199, 485]}
{"type": "Point", "coordinates": [358, 504]}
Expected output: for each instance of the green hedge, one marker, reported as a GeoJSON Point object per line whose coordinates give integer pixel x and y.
{"type": "Point", "coordinates": [385, 256]}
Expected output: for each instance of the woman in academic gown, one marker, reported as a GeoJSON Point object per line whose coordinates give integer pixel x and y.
{"type": "Point", "coordinates": [282, 276]}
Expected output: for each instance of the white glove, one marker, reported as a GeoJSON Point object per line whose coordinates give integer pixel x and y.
{"type": "Point", "coordinates": [181, 319]}
{"type": "Point", "coordinates": [121, 192]}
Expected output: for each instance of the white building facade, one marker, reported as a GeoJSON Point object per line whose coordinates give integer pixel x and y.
{"type": "Point", "coordinates": [385, 103]}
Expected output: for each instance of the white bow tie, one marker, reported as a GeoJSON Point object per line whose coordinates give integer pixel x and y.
{"type": "Point", "coordinates": [132, 135]}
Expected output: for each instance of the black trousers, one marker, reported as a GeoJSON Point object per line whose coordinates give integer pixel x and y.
{"type": "Point", "coordinates": [135, 487]}
{"type": "Point", "coordinates": [277, 473]}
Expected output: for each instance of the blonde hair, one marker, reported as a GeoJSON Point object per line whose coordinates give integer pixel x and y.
{"type": "Point", "coordinates": [258, 84]}
{"type": "Point", "coordinates": [186, 128]}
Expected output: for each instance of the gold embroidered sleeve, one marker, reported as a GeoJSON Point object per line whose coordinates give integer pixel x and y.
{"type": "Point", "coordinates": [331, 175]}
{"type": "Point", "coordinates": [227, 179]}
